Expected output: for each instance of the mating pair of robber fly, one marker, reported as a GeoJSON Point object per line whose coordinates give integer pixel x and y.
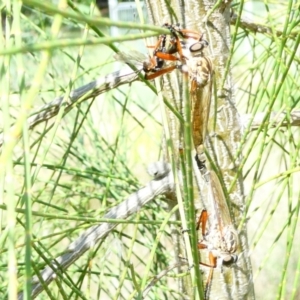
{"type": "Point", "coordinates": [178, 48]}
{"type": "Point", "coordinates": [186, 48]}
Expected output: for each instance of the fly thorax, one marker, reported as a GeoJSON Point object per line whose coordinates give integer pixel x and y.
{"type": "Point", "coordinates": [229, 240]}
{"type": "Point", "coordinates": [199, 70]}
{"type": "Point", "coordinates": [214, 238]}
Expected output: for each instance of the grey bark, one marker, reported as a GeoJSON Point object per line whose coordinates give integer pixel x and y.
{"type": "Point", "coordinates": [224, 128]}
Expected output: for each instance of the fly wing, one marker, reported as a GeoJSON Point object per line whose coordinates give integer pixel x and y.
{"type": "Point", "coordinates": [228, 235]}
{"type": "Point", "coordinates": [219, 201]}
{"type": "Point", "coordinates": [133, 57]}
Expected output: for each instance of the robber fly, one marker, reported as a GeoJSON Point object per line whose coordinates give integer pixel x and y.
{"type": "Point", "coordinates": [186, 48]}
{"type": "Point", "coordinates": [185, 39]}
{"type": "Point", "coordinates": [190, 47]}
{"type": "Point", "coordinates": [221, 238]}
{"type": "Point", "coordinates": [152, 66]}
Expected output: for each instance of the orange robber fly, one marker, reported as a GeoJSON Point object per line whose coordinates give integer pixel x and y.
{"type": "Point", "coordinates": [221, 239]}
{"type": "Point", "coordinates": [152, 66]}
{"type": "Point", "coordinates": [155, 66]}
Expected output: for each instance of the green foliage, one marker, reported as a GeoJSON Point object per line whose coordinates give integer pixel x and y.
{"type": "Point", "coordinates": [266, 72]}
{"type": "Point", "coordinates": [61, 177]}
{"type": "Point", "coordinates": [68, 172]}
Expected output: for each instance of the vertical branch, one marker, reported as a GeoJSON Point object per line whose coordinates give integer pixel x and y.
{"type": "Point", "coordinates": [224, 137]}
{"type": "Point", "coordinates": [223, 128]}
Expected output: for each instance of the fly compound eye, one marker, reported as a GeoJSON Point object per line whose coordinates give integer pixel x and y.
{"type": "Point", "coordinates": [147, 66]}
{"type": "Point", "coordinates": [229, 259]}
{"type": "Point", "coordinates": [198, 46]}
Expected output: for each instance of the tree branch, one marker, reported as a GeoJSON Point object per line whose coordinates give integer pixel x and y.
{"type": "Point", "coordinates": [162, 184]}
{"type": "Point", "coordinates": [281, 119]}
{"type": "Point", "coordinates": [259, 28]}
{"type": "Point", "coordinates": [83, 93]}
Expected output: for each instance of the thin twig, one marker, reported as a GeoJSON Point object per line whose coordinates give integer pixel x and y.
{"type": "Point", "coordinates": [162, 274]}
